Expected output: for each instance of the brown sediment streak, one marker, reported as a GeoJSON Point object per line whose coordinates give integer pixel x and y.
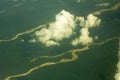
{"type": "Point", "coordinates": [14, 6]}
{"type": "Point", "coordinates": [22, 33]}
{"type": "Point", "coordinates": [56, 56]}
{"type": "Point", "coordinates": [2, 11]}
{"type": "Point", "coordinates": [47, 57]}
{"type": "Point", "coordinates": [74, 55]}
{"type": "Point", "coordinates": [105, 41]}
{"type": "Point", "coordinates": [115, 7]}
{"type": "Point", "coordinates": [19, 4]}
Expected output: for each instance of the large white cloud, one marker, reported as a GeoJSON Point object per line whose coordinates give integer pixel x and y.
{"type": "Point", "coordinates": [60, 29]}
{"type": "Point", "coordinates": [63, 28]}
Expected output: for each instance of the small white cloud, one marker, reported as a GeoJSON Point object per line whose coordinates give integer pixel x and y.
{"type": "Point", "coordinates": [82, 21]}
{"type": "Point", "coordinates": [32, 41]}
{"type": "Point", "coordinates": [103, 4]}
{"type": "Point", "coordinates": [22, 40]}
{"type": "Point", "coordinates": [83, 39]}
{"type": "Point", "coordinates": [78, 1]}
{"type": "Point", "coordinates": [96, 37]}
{"type": "Point", "coordinates": [52, 43]}
{"type": "Point", "coordinates": [91, 21]}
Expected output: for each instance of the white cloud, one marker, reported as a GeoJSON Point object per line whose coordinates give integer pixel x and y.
{"type": "Point", "coordinates": [78, 1]}
{"type": "Point", "coordinates": [83, 39]}
{"type": "Point", "coordinates": [52, 43]}
{"type": "Point", "coordinates": [82, 21]}
{"type": "Point", "coordinates": [22, 40]}
{"type": "Point", "coordinates": [63, 28]}
{"type": "Point", "coordinates": [32, 41]}
{"type": "Point", "coordinates": [91, 22]}
{"type": "Point", "coordinates": [103, 4]}
{"type": "Point", "coordinates": [117, 75]}
{"type": "Point", "coordinates": [60, 29]}
{"type": "Point", "coordinates": [96, 37]}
